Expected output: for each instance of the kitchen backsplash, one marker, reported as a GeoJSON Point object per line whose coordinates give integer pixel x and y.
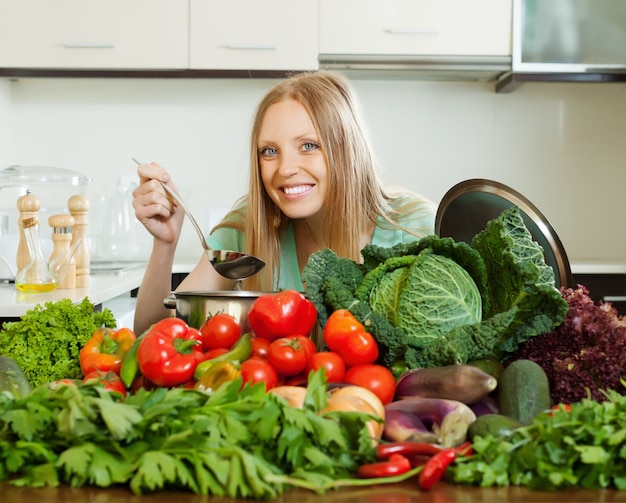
{"type": "Point", "coordinates": [561, 145]}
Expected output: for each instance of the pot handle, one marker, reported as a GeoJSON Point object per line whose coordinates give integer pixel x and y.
{"type": "Point", "coordinates": [170, 301]}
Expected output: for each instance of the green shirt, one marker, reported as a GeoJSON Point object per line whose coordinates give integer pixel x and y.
{"type": "Point", "coordinates": [422, 223]}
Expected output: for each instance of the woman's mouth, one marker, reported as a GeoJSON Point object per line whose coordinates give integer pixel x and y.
{"type": "Point", "coordinates": [297, 190]}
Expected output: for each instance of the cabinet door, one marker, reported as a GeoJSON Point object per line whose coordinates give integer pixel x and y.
{"type": "Point", "coordinates": [254, 34]}
{"type": "Point", "coordinates": [416, 27]}
{"type": "Point", "coordinates": [94, 34]}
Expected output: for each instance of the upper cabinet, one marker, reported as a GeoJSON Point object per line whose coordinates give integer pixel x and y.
{"type": "Point", "coordinates": [94, 34]}
{"type": "Point", "coordinates": [416, 27]}
{"type": "Point", "coordinates": [253, 34]}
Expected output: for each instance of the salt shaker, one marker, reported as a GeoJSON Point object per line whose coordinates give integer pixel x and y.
{"type": "Point", "coordinates": [79, 206]}
{"type": "Point", "coordinates": [62, 257]}
{"type": "Point", "coordinates": [28, 206]}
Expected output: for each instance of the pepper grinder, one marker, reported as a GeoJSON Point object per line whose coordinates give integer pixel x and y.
{"type": "Point", "coordinates": [62, 255]}
{"type": "Point", "coordinates": [28, 206]}
{"type": "Point", "coordinates": [79, 206]}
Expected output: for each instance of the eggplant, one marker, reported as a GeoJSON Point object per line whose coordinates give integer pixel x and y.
{"type": "Point", "coordinates": [449, 419]}
{"type": "Point", "coordinates": [463, 383]}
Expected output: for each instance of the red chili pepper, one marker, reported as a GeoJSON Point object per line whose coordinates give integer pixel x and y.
{"type": "Point", "coordinates": [465, 449]}
{"type": "Point", "coordinates": [407, 448]}
{"type": "Point", "coordinates": [169, 352]}
{"type": "Point", "coordinates": [282, 314]}
{"type": "Point", "coordinates": [396, 464]}
{"type": "Point", "coordinates": [435, 467]}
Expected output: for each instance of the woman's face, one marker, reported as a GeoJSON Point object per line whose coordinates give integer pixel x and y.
{"type": "Point", "coordinates": [293, 168]}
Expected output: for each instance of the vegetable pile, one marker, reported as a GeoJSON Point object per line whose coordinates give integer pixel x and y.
{"type": "Point", "coordinates": [436, 302]}
{"type": "Point", "coordinates": [45, 343]}
{"type": "Point", "coordinates": [584, 355]}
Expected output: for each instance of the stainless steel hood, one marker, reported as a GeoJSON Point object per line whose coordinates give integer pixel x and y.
{"type": "Point", "coordinates": [458, 68]}
{"type": "Point", "coordinates": [567, 41]}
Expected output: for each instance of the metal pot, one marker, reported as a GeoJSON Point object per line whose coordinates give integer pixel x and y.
{"type": "Point", "coordinates": [195, 307]}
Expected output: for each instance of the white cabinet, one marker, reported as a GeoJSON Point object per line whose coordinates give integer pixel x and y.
{"type": "Point", "coordinates": [94, 34]}
{"type": "Point", "coordinates": [416, 27]}
{"type": "Point", "coordinates": [254, 34]}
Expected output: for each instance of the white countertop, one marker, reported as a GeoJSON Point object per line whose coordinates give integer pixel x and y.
{"type": "Point", "coordinates": [103, 288]}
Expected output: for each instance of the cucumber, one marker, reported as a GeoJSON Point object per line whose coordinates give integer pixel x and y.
{"type": "Point", "coordinates": [12, 378]}
{"type": "Point", "coordinates": [498, 425]}
{"type": "Point", "coordinates": [523, 391]}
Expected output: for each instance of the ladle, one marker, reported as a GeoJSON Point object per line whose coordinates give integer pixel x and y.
{"type": "Point", "coordinates": [230, 264]}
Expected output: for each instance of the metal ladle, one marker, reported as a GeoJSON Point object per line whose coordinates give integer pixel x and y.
{"type": "Point", "coordinates": [230, 264]}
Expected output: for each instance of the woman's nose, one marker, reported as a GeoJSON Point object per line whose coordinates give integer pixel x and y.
{"type": "Point", "coordinates": [288, 165]}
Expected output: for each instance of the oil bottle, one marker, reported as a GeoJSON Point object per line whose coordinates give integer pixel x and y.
{"type": "Point", "coordinates": [37, 276]}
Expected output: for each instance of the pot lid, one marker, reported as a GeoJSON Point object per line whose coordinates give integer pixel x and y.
{"type": "Point", "coordinates": [23, 176]}
{"type": "Point", "coordinates": [467, 207]}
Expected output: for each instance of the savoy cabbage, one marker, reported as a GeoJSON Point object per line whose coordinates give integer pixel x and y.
{"type": "Point", "coordinates": [425, 312]}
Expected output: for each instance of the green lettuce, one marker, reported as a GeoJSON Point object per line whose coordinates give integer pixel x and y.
{"type": "Point", "coordinates": [436, 301]}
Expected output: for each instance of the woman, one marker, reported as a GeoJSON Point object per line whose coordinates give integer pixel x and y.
{"type": "Point", "coordinates": [313, 185]}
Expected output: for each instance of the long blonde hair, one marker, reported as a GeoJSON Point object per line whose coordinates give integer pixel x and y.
{"type": "Point", "coordinates": [355, 197]}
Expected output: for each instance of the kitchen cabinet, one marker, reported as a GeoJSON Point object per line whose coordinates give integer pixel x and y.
{"type": "Point", "coordinates": [91, 34]}
{"type": "Point", "coordinates": [416, 27]}
{"type": "Point", "coordinates": [253, 34]}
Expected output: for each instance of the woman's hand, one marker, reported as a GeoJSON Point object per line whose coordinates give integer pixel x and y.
{"type": "Point", "coordinates": [158, 213]}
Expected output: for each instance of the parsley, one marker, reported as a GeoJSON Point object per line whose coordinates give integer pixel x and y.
{"type": "Point", "coordinates": [235, 442]}
{"type": "Point", "coordinates": [584, 447]}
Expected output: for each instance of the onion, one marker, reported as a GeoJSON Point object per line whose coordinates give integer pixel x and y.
{"type": "Point", "coordinates": [294, 395]}
{"type": "Point", "coordinates": [353, 403]}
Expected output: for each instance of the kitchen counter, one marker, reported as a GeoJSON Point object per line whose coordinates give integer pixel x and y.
{"type": "Point", "coordinates": [103, 289]}
{"type": "Point", "coordinates": [398, 493]}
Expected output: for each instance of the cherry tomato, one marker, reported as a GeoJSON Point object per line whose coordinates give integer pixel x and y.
{"type": "Point", "coordinates": [260, 346]}
{"type": "Point", "coordinates": [288, 356]}
{"type": "Point", "coordinates": [110, 380]}
{"type": "Point", "coordinates": [307, 344]}
{"type": "Point", "coordinates": [256, 369]}
{"type": "Point", "coordinates": [331, 362]}
{"type": "Point", "coordinates": [374, 377]}
{"type": "Point", "coordinates": [220, 331]}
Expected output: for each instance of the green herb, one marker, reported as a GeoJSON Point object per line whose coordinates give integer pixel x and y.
{"type": "Point", "coordinates": [583, 447]}
{"type": "Point", "coordinates": [233, 442]}
{"type": "Point", "coordinates": [46, 341]}
{"type": "Point", "coordinates": [437, 302]}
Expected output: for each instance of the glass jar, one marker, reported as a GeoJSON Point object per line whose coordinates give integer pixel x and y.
{"type": "Point", "coordinates": [37, 276]}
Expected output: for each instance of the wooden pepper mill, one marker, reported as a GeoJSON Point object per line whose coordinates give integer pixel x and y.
{"type": "Point", "coordinates": [28, 206]}
{"type": "Point", "coordinates": [79, 207]}
{"type": "Point", "coordinates": [65, 269]}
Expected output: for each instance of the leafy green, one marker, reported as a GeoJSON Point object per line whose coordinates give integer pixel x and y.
{"type": "Point", "coordinates": [46, 341]}
{"type": "Point", "coordinates": [583, 447]}
{"type": "Point", "coordinates": [235, 442]}
{"type": "Point", "coordinates": [426, 312]}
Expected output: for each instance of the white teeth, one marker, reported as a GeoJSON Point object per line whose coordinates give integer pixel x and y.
{"type": "Point", "coordinates": [296, 190]}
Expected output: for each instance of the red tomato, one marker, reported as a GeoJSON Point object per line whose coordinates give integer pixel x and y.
{"type": "Point", "coordinates": [212, 353]}
{"type": "Point", "coordinates": [256, 369]}
{"type": "Point", "coordinates": [374, 377]}
{"type": "Point", "coordinates": [307, 344]}
{"type": "Point", "coordinates": [288, 356]}
{"type": "Point", "coordinates": [260, 346]}
{"type": "Point", "coordinates": [346, 336]}
{"type": "Point", "coordinates": [110, 380]}
{"type": "Point", "coordinates": [331, 362]}
{"type": "Point", "coordinates": [220, 331]}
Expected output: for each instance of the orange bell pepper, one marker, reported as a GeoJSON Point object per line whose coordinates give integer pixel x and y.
{"type": "Point", "coordinates": [105, 350]}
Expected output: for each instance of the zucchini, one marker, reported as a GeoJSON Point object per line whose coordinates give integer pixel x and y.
{"type": "Point", "coordinates": [12, 378]}
{"type": "Point", "coordinates": [497, 425]}
{"type": "Point", "coordinates": [523, 391]}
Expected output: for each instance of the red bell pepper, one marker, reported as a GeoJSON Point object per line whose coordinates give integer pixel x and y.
{"type": "Point", "coordinates": [105, 350]}
{"type": "Point", "coordinates": [276, 315]}
{"type": "Point", "coordinates": [169, 352]}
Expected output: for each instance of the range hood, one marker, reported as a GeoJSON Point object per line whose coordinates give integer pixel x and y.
{"type": "Point", "coordinates": [567, 41]}
{"type": "Point", "coordinates": [458, 68]}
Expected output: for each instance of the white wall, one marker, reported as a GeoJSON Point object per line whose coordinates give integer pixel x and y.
{"type": "Point", "coordinates": [561, 145]}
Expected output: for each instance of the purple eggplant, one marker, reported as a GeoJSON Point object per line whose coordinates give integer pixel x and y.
{"type": "Point", "coordinates": [448, 420]}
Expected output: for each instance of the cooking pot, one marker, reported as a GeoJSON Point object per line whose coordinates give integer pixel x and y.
{"type": "Point", "coordinates": [195, 307]}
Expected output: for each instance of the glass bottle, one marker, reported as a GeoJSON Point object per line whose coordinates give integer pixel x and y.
{"type": "Point", "coordinates": [37, 276]}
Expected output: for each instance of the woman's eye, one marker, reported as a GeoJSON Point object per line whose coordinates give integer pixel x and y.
{"type": "Point", "coordinates": [268, 151]}
{"type": "Point", "coordinates": [310, 145]}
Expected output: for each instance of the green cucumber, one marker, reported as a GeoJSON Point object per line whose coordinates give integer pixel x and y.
{"type": "Point", "coordinates": [12, 378]}
{"type": "Point", "coordinates": [497, 425]}
{"type": "Point", "coordinates": [523, 391]}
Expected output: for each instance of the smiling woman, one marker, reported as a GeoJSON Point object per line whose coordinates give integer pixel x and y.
{"type": "Point", "coordinates": [313, 184]}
